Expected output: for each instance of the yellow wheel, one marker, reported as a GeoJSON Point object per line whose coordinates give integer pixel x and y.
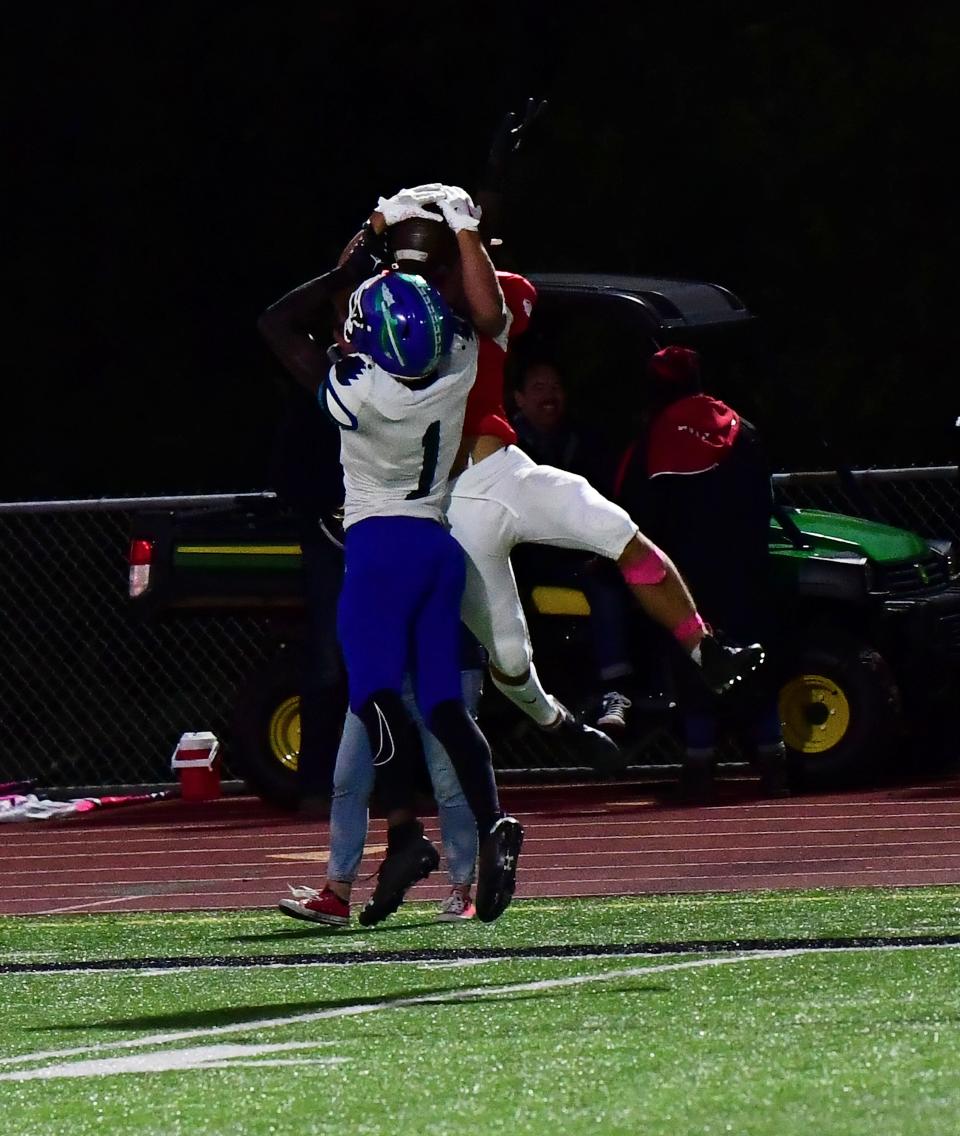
{"type": "Point", "coordinates": [284, 733]}
{"type": "Point", "coordinates": [267, 732]}
{"type": "Point", "coordinates": [814, 713]}
{"type": "Point", "coordinates": [839, 709]}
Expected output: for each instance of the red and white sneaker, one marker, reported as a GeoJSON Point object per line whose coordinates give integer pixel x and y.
{"type": "Point", "coordinates": [317, 906]}
{"type": "Point", "coordinates": [456, 907]}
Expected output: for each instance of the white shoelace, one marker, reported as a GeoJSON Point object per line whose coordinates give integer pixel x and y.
{"type": "Point", "coordinates": [303, 892]}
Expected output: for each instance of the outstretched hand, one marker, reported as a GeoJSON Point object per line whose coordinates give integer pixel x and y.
{"type": "Point", "coordinates": [459, 210]}
{"type": "Point", "coordinates": [410, 203]}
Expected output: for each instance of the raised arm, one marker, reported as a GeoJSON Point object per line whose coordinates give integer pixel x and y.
{"type": "Point", "coordinates": [484, 298]}
{"type": "Point", "coordinates": [512, 134]}
{"type": "Point", "coordinates": [480, 287]}
{"type": "Point", "coordinates": [291, 325]}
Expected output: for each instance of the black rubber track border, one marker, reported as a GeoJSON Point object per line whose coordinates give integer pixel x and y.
{"type": "Point", "coordinates": [466, 954]}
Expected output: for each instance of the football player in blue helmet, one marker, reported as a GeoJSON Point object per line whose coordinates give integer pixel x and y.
{"type": "Point", "coordinates": [401, 322]}
{"type": "Point", "coordinates": [399, 398]}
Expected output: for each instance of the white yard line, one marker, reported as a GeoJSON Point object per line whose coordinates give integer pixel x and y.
{"type": "Point", "coordinates": [418, 1000]}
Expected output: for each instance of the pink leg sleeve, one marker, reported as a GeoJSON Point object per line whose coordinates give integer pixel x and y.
{"type": "Point", "coordinates": [690, 627]}
{"type": "Point", "coordinates": [649, 570]}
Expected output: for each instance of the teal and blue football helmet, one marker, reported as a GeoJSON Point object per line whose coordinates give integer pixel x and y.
{"type": "Point", "coordinates": [401, 322]}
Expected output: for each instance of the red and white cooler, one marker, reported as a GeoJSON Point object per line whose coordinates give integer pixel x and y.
{"type": "Point", "coordinates": [197, 761]}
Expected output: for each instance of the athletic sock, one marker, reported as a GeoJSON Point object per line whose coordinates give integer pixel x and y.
{"type": "Point", "coordinates": [530, 696]}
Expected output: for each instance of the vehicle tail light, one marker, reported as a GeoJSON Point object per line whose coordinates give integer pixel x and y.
{"type": "Point", "coordinates": [140, 559]}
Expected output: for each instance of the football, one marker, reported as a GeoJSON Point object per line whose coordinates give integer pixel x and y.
{"type": "Point", "coordinates": [422, 246]}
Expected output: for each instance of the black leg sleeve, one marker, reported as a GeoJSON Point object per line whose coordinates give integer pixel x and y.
{"type": "Point", "coordinates": [469, 752]}
{"type": "Point", "coordinates": [396, 748]}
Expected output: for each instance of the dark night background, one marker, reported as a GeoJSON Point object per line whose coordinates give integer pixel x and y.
{"type": "Point", "coordinates": [176, 168]}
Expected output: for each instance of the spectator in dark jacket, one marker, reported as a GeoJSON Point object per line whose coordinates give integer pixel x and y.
{"type": "Point", "coordinates": [698, 483]}
{"type": "Point", "coordinates": [548, 434]}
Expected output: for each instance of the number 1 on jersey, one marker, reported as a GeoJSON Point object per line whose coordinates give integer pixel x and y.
{"type": "Point", "coordinates": [431, 452]}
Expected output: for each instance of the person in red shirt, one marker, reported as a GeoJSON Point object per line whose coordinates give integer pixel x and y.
{"type": "Point", "coordinates": [698, 481]}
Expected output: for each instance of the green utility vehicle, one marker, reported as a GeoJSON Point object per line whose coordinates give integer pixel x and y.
{"type": "Point", "coordinates": [870, 652]}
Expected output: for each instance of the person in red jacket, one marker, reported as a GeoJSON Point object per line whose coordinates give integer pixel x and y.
{"type": "Point", "coordinates": [698, 482]}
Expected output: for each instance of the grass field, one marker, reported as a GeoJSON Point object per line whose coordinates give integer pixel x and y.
{"type": "Point", "coordinates": [835, 1012]}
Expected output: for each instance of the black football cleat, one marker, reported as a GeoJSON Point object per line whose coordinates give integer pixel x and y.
{"type": "Point", "coordinates": [400, 870]}
{"type": "Point", "coordinates": [723, 667]}
{"type": "Point", "coordinates": [497, 868]}
{"type": "Point", "coordinates": [597, 750]}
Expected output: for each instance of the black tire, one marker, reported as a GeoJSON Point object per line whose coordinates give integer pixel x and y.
{"type": "Point", "coordinates": [840, 710]}
{"type": "Point", "coordinates": [266, 727]}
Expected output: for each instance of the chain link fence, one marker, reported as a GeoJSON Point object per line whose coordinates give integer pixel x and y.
{"type": "Point", "coordinates": [89, 695]}
{"type": "Point", "coordinates": [924, 499]}
{"type": "Point", "coordinates": [92, 697]}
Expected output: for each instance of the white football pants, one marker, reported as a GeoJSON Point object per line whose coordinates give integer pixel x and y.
{"type": "Point", "coordinates": [508, 499]}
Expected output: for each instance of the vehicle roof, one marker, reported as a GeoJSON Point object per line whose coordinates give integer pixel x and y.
{"type": "Point", "coordinates": [667, 302]}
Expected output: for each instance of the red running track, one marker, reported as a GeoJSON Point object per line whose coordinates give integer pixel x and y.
{"type": "Point", "coordinates": [582, 840]}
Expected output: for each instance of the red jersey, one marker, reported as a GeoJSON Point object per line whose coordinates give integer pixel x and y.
{"type": "Point", "coordinates": [485, 411]}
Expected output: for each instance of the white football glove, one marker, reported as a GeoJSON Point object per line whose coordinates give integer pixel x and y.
{"type": "Point", "coordinates": [458, 209]}
{"type": "Point", "coordinates": [410, 203]}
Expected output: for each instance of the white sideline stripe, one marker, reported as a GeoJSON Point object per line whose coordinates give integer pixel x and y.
{"type": "Point", "coordinates": [432, 999]}
{"type": "Point", "coordinates": [289, 856]}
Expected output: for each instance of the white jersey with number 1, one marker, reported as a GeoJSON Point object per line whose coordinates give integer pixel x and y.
{"type": "Point", "coordinates": [398, 439]}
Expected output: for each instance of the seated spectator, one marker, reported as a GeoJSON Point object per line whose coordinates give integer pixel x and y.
{"type": "Point", "coordinates": [698, 483]}
{"type": "Point", "coordinates": [546, 433]}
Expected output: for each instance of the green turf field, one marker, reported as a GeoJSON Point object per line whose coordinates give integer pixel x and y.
{"type": "Point", "coordinates": [829, 1012]}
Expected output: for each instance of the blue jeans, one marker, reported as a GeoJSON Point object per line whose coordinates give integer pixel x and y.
{"type": "Point", "coordinates": [353, 784]}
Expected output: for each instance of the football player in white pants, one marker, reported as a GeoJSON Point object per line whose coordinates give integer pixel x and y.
{"type": "Point", "coordinates": [502, 498]}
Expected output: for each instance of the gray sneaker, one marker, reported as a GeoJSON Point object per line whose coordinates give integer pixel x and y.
{"type": "Point", "coordinates": [613, 712]}
{"type": "Point", "coordinates": [456, 907]}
